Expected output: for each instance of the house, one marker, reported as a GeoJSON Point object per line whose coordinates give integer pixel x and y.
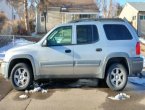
{"type": "Point", "coordinates": [62, 11]}
{"type": "Point", "coordinates": [134, 12]}
{"type": "Point", "coordinates": [8, 10]}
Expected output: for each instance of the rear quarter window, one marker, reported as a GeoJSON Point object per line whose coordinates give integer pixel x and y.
{"type": "Point", "coordinates": [117, 32]}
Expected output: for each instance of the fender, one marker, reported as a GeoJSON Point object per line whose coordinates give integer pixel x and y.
{"type": "Point", "coordinates": [114, 55]}
{"type": "Point", "coordinates": [26, 56]}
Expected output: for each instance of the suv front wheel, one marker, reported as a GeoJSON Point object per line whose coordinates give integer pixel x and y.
{"type": "Point", "coordinates": [116, 77]}
{"type": "Point", "coordinates": [21, 76]}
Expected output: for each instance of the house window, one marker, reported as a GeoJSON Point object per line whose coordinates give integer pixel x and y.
{"type": "Point", "coordinates": [134, 18]}
{"type": "Point", "coordinates": [85, 16]}
{"type": "Point", "coordinates": [141, 17]}
{"type": "Point", "coordinates": [42, 17]}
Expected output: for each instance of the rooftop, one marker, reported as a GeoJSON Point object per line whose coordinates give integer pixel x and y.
{"type": "Point", "coordinates": [140, 6]}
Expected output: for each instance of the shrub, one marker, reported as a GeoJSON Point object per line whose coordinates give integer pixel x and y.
{"type": "Point", "coordinates": [3, 19]}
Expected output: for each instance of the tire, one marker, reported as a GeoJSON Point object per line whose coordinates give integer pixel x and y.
{"type": "Point", "coordinates": [21, 76]}
{"type": "Point", "coordinates": [116, 77]}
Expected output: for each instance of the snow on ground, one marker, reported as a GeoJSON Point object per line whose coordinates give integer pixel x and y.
{"type": "Point", "coordinates": [120, 96]}
{"type": "Point", "coordinates": [142, 40]}
{"type": "Point", "coordinates": [23, 96]}
{"type": "Point", "coordinates": [16, 43]}
{"type": "Point", "coordinates": [137, 80]}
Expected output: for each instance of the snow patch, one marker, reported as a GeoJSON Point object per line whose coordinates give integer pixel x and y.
{"type": "Point", "coordinates": [137, 80]}
{"type": "Point", "coordinates": [142, 40]}
{"type": "Point", "coordinates": [44, 91]}
{"type": "Point", "coordinates": [23, 96]}
{"type": "Point", "coordinates": [120, 96]}
{"type": "Point", "coordinates": [26, 91]}
{"type": "Point", "coordinates": [37, 88]}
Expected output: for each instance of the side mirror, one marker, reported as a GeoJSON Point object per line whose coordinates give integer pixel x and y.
{"type": "Point", "coordinates": [44, 44]}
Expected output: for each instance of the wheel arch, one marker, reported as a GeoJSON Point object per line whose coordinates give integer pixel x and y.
{"type": "Point", "coordinates": [122, 58]}
{"type": "Point", "coordinates": [28, 59]}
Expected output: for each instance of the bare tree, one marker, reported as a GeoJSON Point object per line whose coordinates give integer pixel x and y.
{"type": "Point", "coordinates": [108, 8]}
{"type": "Point", "coordinates": [22, 3]}
{"type": "Point", "coordinates": [104, 8]}
{"type": "Point", "coordinates": [26, 17]}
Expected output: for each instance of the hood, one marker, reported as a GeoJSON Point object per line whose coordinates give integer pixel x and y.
{"type": "Point", "coordinates": [22, 50]}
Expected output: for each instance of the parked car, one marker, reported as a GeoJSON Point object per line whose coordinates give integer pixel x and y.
{"type": "Point", "coordinates": [95, 48]}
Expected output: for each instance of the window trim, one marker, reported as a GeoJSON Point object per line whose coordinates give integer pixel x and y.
{"type": "Point", "coordinates": [85, 25]}
{"type": "Point", "coordinates": [118, 39]}
{"type": "Point", "coordinates": [61, 44]}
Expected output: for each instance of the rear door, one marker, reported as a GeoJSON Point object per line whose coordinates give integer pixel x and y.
{"type": "Point", "coordinates": [87, 51]}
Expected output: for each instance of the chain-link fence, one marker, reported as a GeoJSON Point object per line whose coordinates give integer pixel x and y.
{"type": "Point", "coordinates": [5, 39]}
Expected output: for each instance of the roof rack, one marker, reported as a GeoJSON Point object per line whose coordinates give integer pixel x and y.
{"type": "Point", "coordinates": [97, 19]}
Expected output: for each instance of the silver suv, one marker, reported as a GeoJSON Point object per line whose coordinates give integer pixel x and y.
{"type": "Point", "coordinates": [103, 48]}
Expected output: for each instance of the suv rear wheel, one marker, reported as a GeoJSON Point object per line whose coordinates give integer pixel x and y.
{"type": "Point", "coordinates": [116, 77]}
{"type": "Point", "coordinates": [21, 76]}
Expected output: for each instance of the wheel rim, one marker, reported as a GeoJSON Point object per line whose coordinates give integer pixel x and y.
{"type": "Point", "coordinates": [21, 77]}
{"type": "Point", "coordinates": [117, 77]}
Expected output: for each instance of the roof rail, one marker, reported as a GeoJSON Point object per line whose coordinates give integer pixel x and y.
{"type": "Point", "coordinates": [97, 19]}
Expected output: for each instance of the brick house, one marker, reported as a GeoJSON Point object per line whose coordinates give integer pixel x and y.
{"type": "Point", "coordinates": [62, 11]}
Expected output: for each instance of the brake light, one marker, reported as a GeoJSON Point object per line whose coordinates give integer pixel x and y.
{"type": "Point", "coordinates": [138, 48]}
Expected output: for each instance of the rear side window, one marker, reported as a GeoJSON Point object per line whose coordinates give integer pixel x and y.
{"type": "Point", "coordinates": [117, 32]}
{"type": "Point", "coordinates": [87, 34]}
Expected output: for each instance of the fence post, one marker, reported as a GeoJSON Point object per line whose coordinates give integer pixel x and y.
{"type": "Point", "coordinates": [13, 40]}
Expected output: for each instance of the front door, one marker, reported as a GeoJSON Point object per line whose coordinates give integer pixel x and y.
{"type": "Point", "coordinates": [57, 56]}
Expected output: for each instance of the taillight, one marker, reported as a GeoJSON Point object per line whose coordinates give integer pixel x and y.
{"type": "Point", "coordinates": [137, 48]}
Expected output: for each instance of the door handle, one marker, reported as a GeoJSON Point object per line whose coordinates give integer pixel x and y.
{"type": "Point", "coordinates": [98, 49]}
{"type": "Point", "coordinates": [67, 51]}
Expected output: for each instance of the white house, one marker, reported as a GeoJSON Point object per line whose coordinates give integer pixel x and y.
{"type": "Point", "coordinates": [8, 10]}
{"type": "Point", "coordinates": [134, 12]}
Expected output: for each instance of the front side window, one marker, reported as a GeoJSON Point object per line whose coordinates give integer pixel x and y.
{"type": "Point", "coordinates": [87, 34]}
{"type": "Point", "coordinates": [117, 32]}
{"type": "Point", "coordinates": [60, 36]}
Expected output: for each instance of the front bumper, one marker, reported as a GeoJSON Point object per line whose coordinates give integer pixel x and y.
{"type": "Point", "coordinates": [136, 65]}
{"type": "Point", "coordinates": [4, 69]}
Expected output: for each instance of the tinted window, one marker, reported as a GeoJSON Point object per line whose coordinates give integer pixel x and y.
{"type": "Point", "coordinates": [117, 32]}
{"type": "Point", "coordinates": [87, 34]}
{"type": "Point", "coordinates": [61, 36]}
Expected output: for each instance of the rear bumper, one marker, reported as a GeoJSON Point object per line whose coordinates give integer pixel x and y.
{"type": "Point", "coordinates": [136, 65]}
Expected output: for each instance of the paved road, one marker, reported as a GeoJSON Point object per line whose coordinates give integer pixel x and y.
{"type": "Point", "coordinates": [82, 96]}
